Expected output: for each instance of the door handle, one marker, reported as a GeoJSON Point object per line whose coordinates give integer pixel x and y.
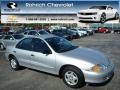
{"type": "Point", "coordinates": [32, 55]}
{"type": "Point", "coordinates": [14, 51]}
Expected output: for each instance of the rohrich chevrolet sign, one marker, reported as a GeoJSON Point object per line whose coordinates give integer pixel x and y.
{"type": "Point", "coordinates": [46, 11]}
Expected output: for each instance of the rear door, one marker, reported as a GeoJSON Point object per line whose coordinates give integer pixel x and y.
{"type": "Point", "coordinates": [23, 52]}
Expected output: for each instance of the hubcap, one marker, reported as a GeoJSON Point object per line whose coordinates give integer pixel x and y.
{"type": "Point", "coordinates": [1, 46]}
{"type": "Point", "coordinates": [117, 16]}
{"type": "Point", "coordinates": [13, 63]}
{"type": "Point", "coordinates": [103, 17]}
{"type": "Point", "coordinates": [71, 78]}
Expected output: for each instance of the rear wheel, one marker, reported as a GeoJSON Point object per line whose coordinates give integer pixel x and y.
{"type": "Point", "coordinates": [14, 63]}
{"type": "Point", "coordinates": [116, 16]}
{"type": "Point", "coordinates": [73, 77]}
{"type": "Point", "coordinates": [2, 46]}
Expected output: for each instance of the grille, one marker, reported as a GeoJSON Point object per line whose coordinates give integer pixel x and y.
{"type": "Point", "coordinates": [85, 18]}
{"type": "Point", "coordinates": [87, 13]}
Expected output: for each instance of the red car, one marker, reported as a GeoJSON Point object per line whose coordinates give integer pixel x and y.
{"type": "Point", "coordinates": [103, 30]}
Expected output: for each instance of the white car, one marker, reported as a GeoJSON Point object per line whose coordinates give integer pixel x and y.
{"type": "Point", "coordinates": [98, 14]}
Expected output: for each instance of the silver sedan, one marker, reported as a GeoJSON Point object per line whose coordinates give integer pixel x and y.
{"type": "Point", "coordinates": [8, 40]}
{"type": "Point", "coordinates": [55, 55]}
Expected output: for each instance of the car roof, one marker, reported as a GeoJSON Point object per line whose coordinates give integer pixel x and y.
{"type": "Point", "coordinates": [102, 5]}
{"type": "Point", "coordinates": [45, 36]}
{"type": "Point", "coordinates": [35, 30]}
{"type": "Point", "coordinates": [31, 30]}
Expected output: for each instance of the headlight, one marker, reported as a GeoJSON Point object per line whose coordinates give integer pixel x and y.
{"type": "Point", "coordinates": [97, 68]}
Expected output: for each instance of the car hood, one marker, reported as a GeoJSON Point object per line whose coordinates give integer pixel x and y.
{"type": "Point", "coordinates": [89, 11]}
{"type": "Point", "coordinates": [89, 55]}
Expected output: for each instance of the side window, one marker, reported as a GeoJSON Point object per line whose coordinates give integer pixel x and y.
{"type": "Point", "coordinates": [25, 33]}
{"type": "Point", "coordinates": [39, 45]}
{"type": "Point", "coordinates": [32, 33]}
{"type": "Point", "coordinates": [110, 8]}
{"type": "Point", "coordinates": [8, 37]}
{"type": "Point", "coordinates": [25, 44]}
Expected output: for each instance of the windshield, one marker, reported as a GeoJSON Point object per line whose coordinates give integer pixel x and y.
{"type": "Point", "coordinates": [18, 36]}
{"type": "Point", "coordinates": [60, 44]}
{"type": "Point", "coordinates": [73, 29]}
{"type": "Point", "coordinates": [98, 7]}
{"type": "Point", "coordinates": [43, 32]}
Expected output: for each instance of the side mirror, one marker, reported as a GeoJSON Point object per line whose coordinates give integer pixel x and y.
{"type": "Point", "coordinates": [11, 39]}
{"type": "Point", "coordinates": [47, 51]}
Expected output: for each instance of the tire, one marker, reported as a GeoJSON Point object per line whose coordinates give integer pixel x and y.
{"type": "Point", "coordinates": [14, 63]}
{"type": "Point", "coordinates": [73, 77]}
{"type": "Point", "coordinates": [2, 46]}
{"type": "Point", "coordinates": [103, 18]}
{"type": "Point", "coordinates": [116, 16]}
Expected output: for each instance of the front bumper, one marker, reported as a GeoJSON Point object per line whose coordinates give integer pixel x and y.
{"type": "Point", "coordinates": [91, 77]}
{"type": "Point", "coordinates": [88, 17]}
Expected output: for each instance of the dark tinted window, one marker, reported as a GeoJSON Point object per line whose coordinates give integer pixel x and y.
{"type": "Point", "coordinates": [110, 8]}
{"type": "Point", "coordinates": [32, 33]}
{"type": "Point", "coordinates": [25, 44]}
{"type": "Point", "coordinates": [39, 45]}
{"type": "Point", "coordinates": [58, 34]}
{"type": "Point", "coordinates": [99, 7]}
{"type": "Point", "coordinates": [8, 37]}
{"type": "Point", "coordinates": [9, 33]}
{"type": "Point", "coordinates": [43, 32]}
{"type": "Point", "coordinates": [25, 33]}
{"type": "Point", "coordinates": [70, 32]}
{"type": "Point", "coordinates": [18, 36]}
{"type": "Point", "coordinates": [55, 31]}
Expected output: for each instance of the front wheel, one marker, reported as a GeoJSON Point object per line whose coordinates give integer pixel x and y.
{"type": "Point", "coordinates": [14, 63]}
{"type": "Point", "coordinates": [103, 18]}
{"type": "Point", "coordinates": [73, 77]}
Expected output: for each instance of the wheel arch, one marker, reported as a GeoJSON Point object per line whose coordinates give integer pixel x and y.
{"type": "Point", "coordinates": [67, 65]}
{"type": "Point", "coordinates": [103, 13]}
{"type": "Point", "coordinates": [2, 43]}
{"type": "Point", "coordinates": [10, 55]}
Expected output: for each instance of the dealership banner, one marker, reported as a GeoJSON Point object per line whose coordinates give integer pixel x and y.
{"type": "Point", "coordinates": [47, 11]}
